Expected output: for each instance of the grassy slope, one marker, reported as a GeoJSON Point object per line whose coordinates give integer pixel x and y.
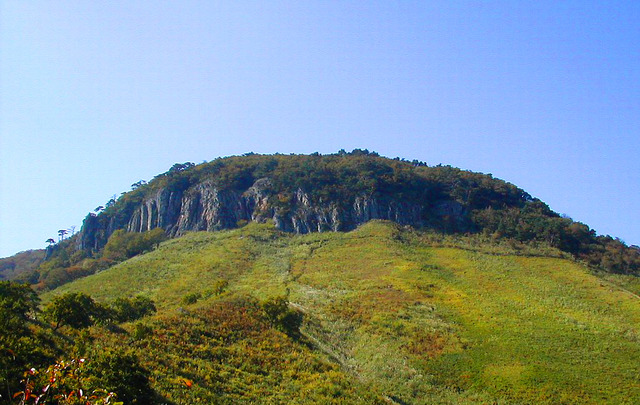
{"type": "Point", "coordinates": [405, 319]}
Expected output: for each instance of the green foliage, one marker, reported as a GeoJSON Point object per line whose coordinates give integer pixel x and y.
{"type": "Point", "coordinates": [64, 382]}
{"type": "Point", "coordinates": [228, 354]}
{"type": "Point", "coordinates": [21, 265]}
{"type": "Point", "coordinates": [18, 302]}
{"type": "Point", "coordinates": [63, 263]}
{"type": "Point", "coordinates": [126, 309]}
{"type": "Point", "coordinates": [76, 310]}
{"type": "Point", "coordinates": [141, 331]}
{"type": "Point", "coordinates": [18, 344]}
{"type": "Point", "coordinates": [191, 298]}
{"type": "Point", "coordinates": [30, 347]}
{"type": "Point", "coordinates": [217, 287]}
{"type": "Point", "coordinates": [535, 222]}
{"type": "Point", "coordinates": [120, 372]}
{"type": "Point", "coordinates": [123, 245]}
{"type": "Point", "coordinates": [278, 313]}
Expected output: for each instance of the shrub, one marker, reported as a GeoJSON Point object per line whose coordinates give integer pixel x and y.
{"type": "Point", "coordinates": [126, 310]}
{"type": "Point", "coordinates": [191, 298]}
{"type": "Point", "coordinates": [77, 310]}
{"type": "Point", "coordinates": [141, 331]}
{"type": "Point", "coordinates": [219, 286]}
{"type": "Point", "coordinates": [283, 318]}
{"type": "Point", "coordinates": [123, 245]}
{"type": "Point", "coordinates": [63, 382]}
{"type": "Point", "coordinates": [120, 372]}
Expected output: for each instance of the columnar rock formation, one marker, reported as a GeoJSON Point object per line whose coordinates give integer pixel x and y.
{"type": "Point", "coordinates": [205, 207]}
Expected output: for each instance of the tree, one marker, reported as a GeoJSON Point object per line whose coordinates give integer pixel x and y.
{"type": "Point", "coordinates": [50, 241]}
{"type": "Point", "coordinates": [281, 316]}
{"type": "Point", "coordinates": [77, 310]}
{"type": "Point", "coordinates": [18, 303]}
{"type": "Point", "coordinates": [61, 233]}
{"type": "Point", "coordinates": [138, 184]}
{"type": "Point", "coordinates": [180, 167]}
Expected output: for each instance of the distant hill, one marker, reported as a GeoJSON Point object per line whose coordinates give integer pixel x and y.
{"type": "Point", "coordinates": [21, 265]}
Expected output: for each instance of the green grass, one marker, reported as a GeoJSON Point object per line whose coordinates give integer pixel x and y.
{"type": "Point", "coordinates": [413, 317]}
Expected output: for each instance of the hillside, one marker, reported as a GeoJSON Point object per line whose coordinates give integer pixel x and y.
{"type": "Point", "coordinates": [391, 315]}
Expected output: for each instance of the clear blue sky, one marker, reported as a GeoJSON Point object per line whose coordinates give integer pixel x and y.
{"type": "Point", "coordinates": [96, 95]}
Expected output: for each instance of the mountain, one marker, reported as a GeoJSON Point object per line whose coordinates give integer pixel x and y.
{"type": "Point", "coordinates": [338, 192]}
{"type": "Point", "coordinates": [346, 278]}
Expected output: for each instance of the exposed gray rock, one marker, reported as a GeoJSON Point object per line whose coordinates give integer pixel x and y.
{"type": "Point", "coordinates": [205, 207]}
{"type": "Point", "coordinates": [161, 210]}
{"type": "Point", "coordinates": [87, 239]}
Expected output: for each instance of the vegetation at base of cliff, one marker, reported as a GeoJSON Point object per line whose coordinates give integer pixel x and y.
{"type": "Point", "coordinates": [387, 313]}
{"type": "Point", "coordinates": [65, 262]}
{"type": "Point", "coordinates": [123, 245]}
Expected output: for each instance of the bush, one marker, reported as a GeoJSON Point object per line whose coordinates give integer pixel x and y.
{"type": "Point", "coordinates": [61, 383]}
{"type": "Point", "coordinates": [141, 331]}
{"type": "Point", "coordinates": [191, 298]}
{"type": "Point", "coordinates": [126, 310]}
{"type": "Point", "coordinates": [217, 288]}
{"type": "Point", "coordinates": [120, 372]}
{"type": "Point", "coordinates": [123, 245]}
{"type": "Point", "coordinates": [283, 318]}
{"type": "Point", "coordinates": [77, 310]}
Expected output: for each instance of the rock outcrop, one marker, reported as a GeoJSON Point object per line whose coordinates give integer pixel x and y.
{"type": "Point", "coordinates": [205, 207]}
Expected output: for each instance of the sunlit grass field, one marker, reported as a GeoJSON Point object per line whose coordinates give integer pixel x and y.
{"type": "Point", "coordinates": [390, 315]}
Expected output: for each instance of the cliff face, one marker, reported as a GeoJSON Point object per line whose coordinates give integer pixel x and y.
{"type": "Point", "coordinates": [205, 207]}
